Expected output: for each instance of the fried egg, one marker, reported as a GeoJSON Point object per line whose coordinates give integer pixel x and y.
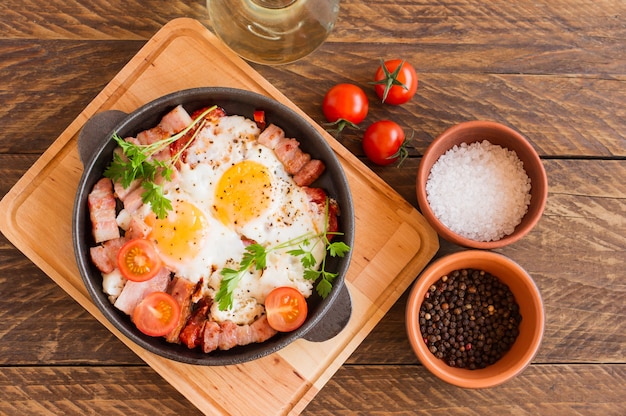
{"type": "Point", "coordinates": [232, 191]}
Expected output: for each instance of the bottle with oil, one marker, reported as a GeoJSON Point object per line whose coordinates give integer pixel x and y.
{"type": "Point", "coordinates": [273, 31]}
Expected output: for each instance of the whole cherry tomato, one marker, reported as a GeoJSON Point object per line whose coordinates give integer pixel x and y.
{"type": "Point", "coordinates": [345, 104]}
{"type": "Point", "coordinates": [384, 143]}
{"type": "Point", "coordinates": [395, 81]}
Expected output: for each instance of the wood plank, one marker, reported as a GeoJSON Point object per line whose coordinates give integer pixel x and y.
{"type": "Point", "coordinates": [590, 122]}
{"type": "Point", "coordinates": [89, 390]}
{"type": "Point", "coordinates": [45, 324]}
{"type": "Point", "coordinates": [412, 390]}
{"type": "Point", "coordinates": [477, 76]}
{"type": "Point", "coordinates": [355, 389]}
{"type": "Point", "coordinates": [468, 28]}
{"type": "Point", "coordinates": [65, 76]}
{"type": "Point", "coordinates": [556, 71]}
{"type": "Point", "coordinates": [591, 112]}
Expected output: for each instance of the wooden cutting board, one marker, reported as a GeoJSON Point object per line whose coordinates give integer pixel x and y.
{"type": "Point", "coordinates": [393, 242]}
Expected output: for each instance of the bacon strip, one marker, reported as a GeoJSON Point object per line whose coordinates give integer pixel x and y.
{"type": "Point", "coordinates": [291, 156]}
{"type": "Point", "coordinates": [101, 204]}
{"type": "Point", "coordinates": [135, 292]}
{"type": "Point", "coordinates": [182, 290]}
{"type": "Point", "coordinates": [271, 136]}
{"type": "Point", "coordinates": [318, 196]}
{"type": "Point", "coordinates": [104, 256]}
{"type": "Point", "coordinates": [191, 335]}
{"type": "Point", "coordinates": [227, 335]}
{"type": "Point", "coordinates": [309, 172]}
{"type": "Point", "coordinates": [171, 123]}
{"type": "Point", "coordinates": [296, 161]}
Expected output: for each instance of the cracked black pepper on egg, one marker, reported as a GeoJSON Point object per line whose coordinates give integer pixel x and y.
{"type": "Point", "coordinates": [469, 319]}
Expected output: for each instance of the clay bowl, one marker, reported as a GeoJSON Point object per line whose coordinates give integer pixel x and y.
{"type": "Point", "coordinates": [497, 134]}
{"type": "Point", "coordinates": [531, 326]}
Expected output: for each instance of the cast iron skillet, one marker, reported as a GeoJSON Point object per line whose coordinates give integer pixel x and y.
{"type": "Point", "coordinates": [327, 317]}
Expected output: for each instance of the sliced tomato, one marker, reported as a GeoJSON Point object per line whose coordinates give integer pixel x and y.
{"type": "Point", "coordinates": [157, 314]}
{"type": "Point", "coordinates": [138, 260]}
{"type": "Point", "coordinates": [259, 119]}
{"type": "Point", "coordinates": [286, 309]}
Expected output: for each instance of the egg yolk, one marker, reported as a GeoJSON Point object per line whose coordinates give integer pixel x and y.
{"type": "Point", "coordinates": [180, 235]}
{"type": "Point", "coordinates": [243, 193]}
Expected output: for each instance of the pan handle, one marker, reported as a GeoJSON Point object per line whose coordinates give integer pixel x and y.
{"type": "Point", "coordinates": [93, 132]}
{"type": "Point", "coordinates": [335, 319]}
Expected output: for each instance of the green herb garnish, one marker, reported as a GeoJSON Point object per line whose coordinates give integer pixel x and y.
{"type": "Point", "coordinates": [138, 163]}
{"type": "Point", "coordinates": [256, 255]}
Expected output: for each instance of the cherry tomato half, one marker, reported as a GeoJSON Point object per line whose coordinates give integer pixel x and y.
{"type": "Point", "coordinates": [286, 309]}
{"type": "Point", "coordinates": [345, 102]}
{"type": "Point", "coordinates": [395, 82]}
{"type": "Point", "coordinates": [383, 143]}
{"type": "Point", "coordinates": [138, 260]}
{"type": "Point", "coordinates": [157, 314]}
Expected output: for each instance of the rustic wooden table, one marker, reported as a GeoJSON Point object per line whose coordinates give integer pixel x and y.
{"type": "Point", "coordinates": [555, 70]}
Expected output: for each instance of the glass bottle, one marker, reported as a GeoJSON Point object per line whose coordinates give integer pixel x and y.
{"type": "Point", "coordinates": [273, 31]}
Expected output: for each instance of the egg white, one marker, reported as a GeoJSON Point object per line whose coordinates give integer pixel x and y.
{"type": "Point", "coordinates": [289, 215]}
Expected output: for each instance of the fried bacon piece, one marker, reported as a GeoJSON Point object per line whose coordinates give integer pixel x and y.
{"type": "Point", "coordinates": [104, 256]}
{"type": "Point", "coordinates": [318, 196]}
{"type": "Point", "coordinates": [191, 335]}
{"type": "Point", "coordinates": [182, 290]}
{"type": "Point", "coordinates": [309, 172]}
{"type": "Point", "coordinates": [101, 202]}
{"type": "Point", "coordinates": [135, 292]}
{"type": "Point", "coordinates": [227, 335]}
{"type": "Point", "coordinates": [304, 169]}
{"type": "Point", "coordinates": [197, 330]}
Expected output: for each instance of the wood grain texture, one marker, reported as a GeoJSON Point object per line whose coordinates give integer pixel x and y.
{"type": "Point", "coordinates": [411, 390]}
{"type": "Point", "coordinates": [89, 391]}
{"type": "Point", "coordinates": [564, 91]}
{"type": "Point", "coordinates": [553, 70]}
{"type": "Point", "coordinates": [539, 107]}
{"type": "Point", "coordinates": [363, 390]}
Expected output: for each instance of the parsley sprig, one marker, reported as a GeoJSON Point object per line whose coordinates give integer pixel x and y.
{"type": "Point", "coordinates": [138, 162]}
{"type": "Point", "coordinates": [255, 256]}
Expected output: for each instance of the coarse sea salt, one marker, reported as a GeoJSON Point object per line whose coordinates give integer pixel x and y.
{"type": "Point", "coordinates": [480, 191]}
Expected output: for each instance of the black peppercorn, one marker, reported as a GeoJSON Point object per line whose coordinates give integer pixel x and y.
{"type": "Point", "coordinates": [476, 319]}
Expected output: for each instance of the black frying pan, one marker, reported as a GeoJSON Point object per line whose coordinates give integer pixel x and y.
{"type": "Point", "coordinates": [327, 317]}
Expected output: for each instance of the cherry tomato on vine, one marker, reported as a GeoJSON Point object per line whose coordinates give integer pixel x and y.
{"type": "Point", "coordinates": [286, 309]}
{"type": "Point", "coordinates": [384, 143]}
{"type": "Point", "coordinates": [138, 260]}
{"type": "Point", "coordinates": [395, 81]}
{"type": "Point", "coordinates": [157, 314]}
{"type": "Point", "coordinates": [345, 104]}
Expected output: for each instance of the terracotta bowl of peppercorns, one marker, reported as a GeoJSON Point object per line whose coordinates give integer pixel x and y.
{"type": "Point", "coordinates": [475, 318]}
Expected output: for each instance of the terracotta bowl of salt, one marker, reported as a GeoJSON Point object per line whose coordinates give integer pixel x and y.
{"type": "Point", "coordinates": [482, 185]}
